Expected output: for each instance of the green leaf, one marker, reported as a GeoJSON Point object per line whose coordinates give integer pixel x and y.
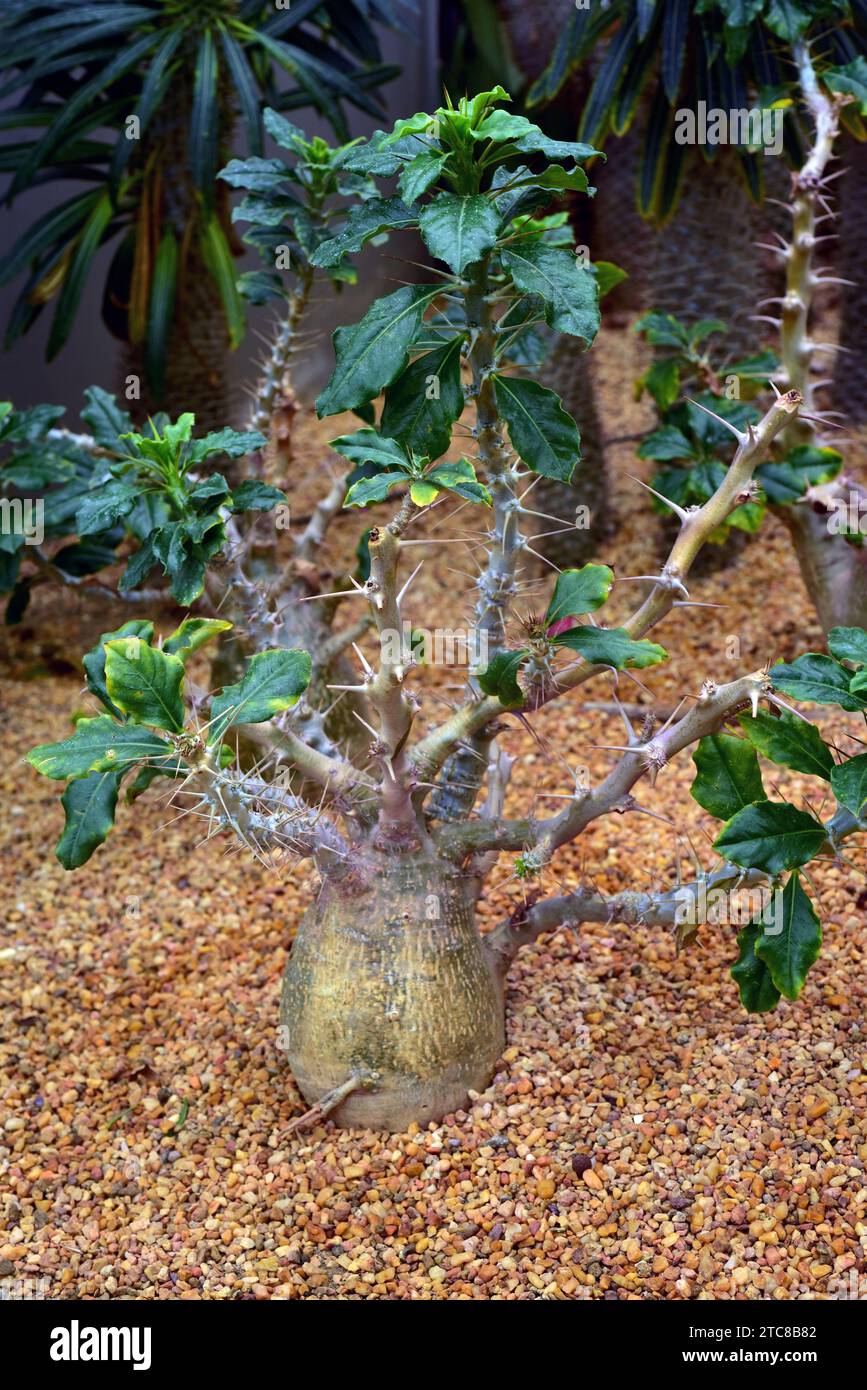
{"type": "Point", "coordinates": [98, 745]}
{"type": "Point", "coordinates": [667, 443]}
{"type": "Point", "coordinates": [373, 489]}
{"type": "Point", "coordinates": [789, 947]}
{"type": "Point", "coordinates": [662, 380]}
{"type": "Point", "coordinates": [755, 984]}
{"type": "Point", "coordinates": [100, 509]}
{"type": "Point", "coordinates": [204, 117]}
{"type": "Point", "coordinates": [218, 258]}
{"type": "Point", "coordinates": [421, 174]}
{"type": "Point", "coordinates": [161, 310]}
{"type": "Point", "coordinates": [790, 742]}
{"type": "Point", "coordinates": [503, 127]}
{"type": "Point", "coordinates": [192, 634]}
{"type": "Point", "coordinates": [371, 353]}
{"type": "Point", "coordinates": [858, 685]}
{"type": "Point", "coordinates": [367, 446]}
{"type": "Point", "coordinates": [273, 681]}
{"type": "Point", "coordinates": [608, 276]}
{"type": "Point", "coordinates": [94, 661]}
{"type": "Point", "coordinates": [255, 496]}
{"type": "Point", "coordinates": [89, 804]}
{"type": "Point", "coordinates": [579, 591]}
{"type": "Point", "coordinates": [460, 477]}
{"type": "Point", "coordinates": [851, 80]}
{"type": "Point", "coordinates": [849, 783]}
{"type": "Point", "coordinates": [663, 330]}
{"type": "Point", "coordinates": [283, 132]}
{"type": "Point", "coordinates": [499, 678]}
{"type": "Point", "coordinates": [569, 291]}
{"type": "Point", "coordinates": [104, 417]}
{"type": "Point", "coordinates": [817, 680]}
{"type": "Point", "coordinates": [728, 776]}
{"type": "Point", "coordinates": [235, 443]}
{"type": "Point", "coordinates": [787, 479]}
{"type": "Point", "coordinates": [422, 405]}
{"type": "Point", "coordinates": [611, 647]}
{"type": "Point", "coordinates": [772, 836]}
{"type": "Point", "coordinates": [75, 279]}
{"type": "Point", "coordinates": [542, 432]}
{"type": "Point", "coordinates": [786, 19]}
{"type": "Point", "coordinates": [366, 220]}
{"type": "Point", "coordinates": [145, 683]}
{"type": "Point", "coordinates": [459, 228]}
{"type": "Point", "coordinates": [849, 644]}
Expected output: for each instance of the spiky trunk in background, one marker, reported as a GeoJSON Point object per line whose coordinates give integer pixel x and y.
{"type": "Point", "coordinates": [196, 375]}
{"type": "Point", "coordinates": [272, 597]}
{"type": "Point", "coordinates": [685, 268]}
{"type": "Point", "coordinates": [834, 571]}
{"type": "Point", "coordinates": [850, 374]}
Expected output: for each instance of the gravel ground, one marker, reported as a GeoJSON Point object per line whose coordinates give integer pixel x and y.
{"type": "Point", "coordinates": [643, 1137]}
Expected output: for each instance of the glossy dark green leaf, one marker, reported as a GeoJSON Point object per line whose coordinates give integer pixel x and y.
{"type": "Point", "coordinates": [246, 89]}
{"type": "Point", "coordinates": [145, 683]}
{"type": "Point", "coordinates": [848, 644]}
{"type": "Point", "coordinates": [255, 496]}
{"type": "Point", "coordinates": [789, 741]}
{"type": "Point", "coordinates": [817, 680]}
{"type": "Point", "coordinates": [579, 591]}
{"type": "Point", "coordinates": [365, 221]}
{"type": "Point", "coordinates": [369, 446]}
{"type": "Point", "coordinates": [371, 353]}
{"type": "Point", "coordinates": [728, 776]}
{"type": "Point", "coordinates": [500, 678]}
{"type": "Point", "coordinates": [675, 25]}
{"type": "Point", "coordinates": [611, 646]}
{"type": "Point", "coordinates": [422, 405]}
{"type": "Point", "coordinates": [849, 783]}
{"type": "Point", "coordinates": [89, 804]}
{"type": "Point", "coordinates": [772, 836]}
{"type": "Point", "coordinates": [106, 420]}
{"type": "Point", "coordinates": [272, 682]}
{"type": "Point", "coordinates": [787, 479]}
{"type": "Point", "coordinates": [98, 745]}
{"type": "Point", "coordinates": [542, 432]}
{"type": "Point", "coordinates": [459, 228]}
{"type": "Point", "coordinates": [790, 939]}
{"type": "Point", "coordinates": [568, 291]}
{"type": "Point", "coordinates": [235, 443]}
{"type": "Point", "coordinates": [755, 984]}
{"type": "Point", "coordinates": [421, 174]}
{"type": "Point", "coordinates": [102, 507]}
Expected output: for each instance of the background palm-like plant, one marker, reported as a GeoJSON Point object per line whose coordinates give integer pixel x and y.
{"type": "Point", "coordinates": [138, 101]}
{"type": "Point", "coordinates": [617, 74]}
{"type": "Point", "coordinates": [677, 53]}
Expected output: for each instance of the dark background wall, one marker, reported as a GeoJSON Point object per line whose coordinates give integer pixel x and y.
{"type": "Point", "coordinates": [91, 356]}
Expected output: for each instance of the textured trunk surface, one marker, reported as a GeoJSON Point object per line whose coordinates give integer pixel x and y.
{"type": "Point", "coordinates": [566, 370]}
{"type": "Point", "coordinates": [388, 982]}
{"type": "Point", "coordinates": [322, 719]}
{"type": "Point", "coordinates": [834, 572]}
{"type": "Point", "coordinates": [850, 369]}
{"type": "Point", "coordinates": [196, 367]}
